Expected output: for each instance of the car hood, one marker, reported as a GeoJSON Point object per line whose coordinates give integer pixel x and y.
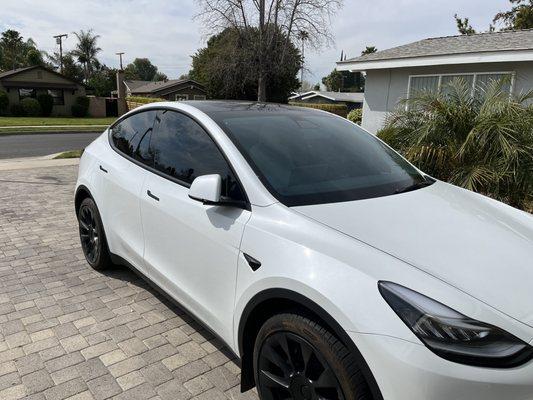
{"type": "Point", "coordinates": [481, 246]}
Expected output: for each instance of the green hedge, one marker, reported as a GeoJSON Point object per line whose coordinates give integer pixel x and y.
{"type": "Point", "coordinates": [339, 109]}
{"type": "Point", "coordinates": [144, 100]}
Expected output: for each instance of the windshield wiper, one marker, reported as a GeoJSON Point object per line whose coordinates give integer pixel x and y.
{"type": "Point", "coordinates": [417, 185]}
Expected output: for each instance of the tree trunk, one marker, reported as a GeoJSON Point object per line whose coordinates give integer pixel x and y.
{"type": "Point", "coordinates": [261, 81]}
{"type": "Point", "coordinates": [261, 89]}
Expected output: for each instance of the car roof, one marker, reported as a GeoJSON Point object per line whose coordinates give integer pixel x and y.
{"type": "Point", "coordinates": [222, 106]}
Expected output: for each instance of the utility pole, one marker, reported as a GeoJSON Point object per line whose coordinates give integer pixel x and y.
{"type": "Point", "coordinates": [59, 41]}
{"type": "Point", "coordinates": [120, 57]}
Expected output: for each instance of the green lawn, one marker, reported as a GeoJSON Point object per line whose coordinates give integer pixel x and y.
{"type": "Point", "coordinates": [70, 154]}
{"type": "Point", "coordinates": [44, 121]}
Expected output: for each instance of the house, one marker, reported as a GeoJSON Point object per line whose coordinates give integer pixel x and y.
{"type": "Point", "coordinates": [351, 99]}
{"type": "Point", "coordinates": [32, 81]}
{"type": "Point", "coordinates": [173, 89]}
{"type": "Point", "coordinates": [394, 74]}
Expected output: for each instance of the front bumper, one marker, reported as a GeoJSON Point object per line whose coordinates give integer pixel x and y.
{"type": "Point", "coordinates": [409, 371]}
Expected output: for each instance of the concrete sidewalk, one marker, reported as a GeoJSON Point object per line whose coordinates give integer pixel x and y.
{"type": "Point", "coordinates": [36, 162]}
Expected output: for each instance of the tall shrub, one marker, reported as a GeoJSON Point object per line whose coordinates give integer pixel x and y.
{"type": "Point", "coordinates": [4, 102]}
{"type": "Point", "coordinates": [483, 142]}
{"type": "Point", "coordinates": [356, 115]}
{"type": "Point", "coordinates": [80, 107]}
{"type": "Point", "coordinates": [46, 102]}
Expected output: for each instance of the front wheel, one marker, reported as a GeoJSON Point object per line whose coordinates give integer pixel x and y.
{"type": "Point", "coordinates": [92, 236]}
{"type": "Point", "coordinates": [297, 358]}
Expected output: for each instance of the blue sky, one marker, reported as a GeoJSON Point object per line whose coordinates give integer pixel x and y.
{"type": "Point", "coordinates": [165, 32]}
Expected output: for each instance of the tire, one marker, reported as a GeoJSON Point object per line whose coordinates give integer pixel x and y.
{"type": "Point", "coordinates": [330, 371]}
{"type": "Point", "coordinates": [92, 236]}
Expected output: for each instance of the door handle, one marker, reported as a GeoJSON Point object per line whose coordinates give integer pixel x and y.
{"type": "Point", "coordinates": [153, 196]}
{"type": "Point", "coordinates": [103, 169]}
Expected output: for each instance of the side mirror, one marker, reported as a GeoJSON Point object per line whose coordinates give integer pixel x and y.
{"type": "Point", "coordinates": [206, 188]}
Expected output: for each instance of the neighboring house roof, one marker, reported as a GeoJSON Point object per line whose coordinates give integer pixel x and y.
{"type": "Point", "coordinates": [155, 87]}
{"type": "Point", "coordinates": [462, 49]}
{"type": "Point", "coordinates": [132, 85]}
{"type": "Point", "coordinates": [37, 83]}
{"type": "Point", "coordinates": [351, 97]}
{"type": "Point", "coordinates": [14, 72]}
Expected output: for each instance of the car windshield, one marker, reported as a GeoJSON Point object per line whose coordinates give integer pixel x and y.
{"type": "Point", "coordinates": [309, 157]}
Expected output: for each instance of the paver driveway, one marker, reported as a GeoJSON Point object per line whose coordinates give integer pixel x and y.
{"type": "Point", "coordinates": [67, 331]}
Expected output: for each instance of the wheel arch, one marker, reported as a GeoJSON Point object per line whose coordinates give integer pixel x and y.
{"type": "Point", "coordinates": [270, 302]}
{"type": "Point", "coordinates": [82, 192]}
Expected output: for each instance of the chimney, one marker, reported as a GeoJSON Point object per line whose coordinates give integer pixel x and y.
{"type": "Point", "coordinates": [121, 93]}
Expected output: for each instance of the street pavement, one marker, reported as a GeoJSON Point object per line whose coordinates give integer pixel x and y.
{"type": "Point", "coordinates": [41, 144]}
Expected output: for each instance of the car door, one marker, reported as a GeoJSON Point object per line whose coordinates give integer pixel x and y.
{"type": "Point", "coordinates": [191, 249]}
{"type": "Point", "coordinates": [122, 174]}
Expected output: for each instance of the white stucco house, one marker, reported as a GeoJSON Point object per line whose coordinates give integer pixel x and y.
{"type": "Point", "coordinates": [392, 74]}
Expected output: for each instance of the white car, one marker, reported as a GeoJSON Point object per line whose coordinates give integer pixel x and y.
{"type": "Point", "coordinates": [327, 263]}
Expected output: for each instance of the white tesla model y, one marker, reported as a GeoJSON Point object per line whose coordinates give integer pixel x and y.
{"type": "Point", "coordinates": [332, 267]}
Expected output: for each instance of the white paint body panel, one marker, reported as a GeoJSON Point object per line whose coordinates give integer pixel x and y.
{"type": "Point", "coordinates": [464, 250]}
{"type": "Point", "coordinates": [191, 250]}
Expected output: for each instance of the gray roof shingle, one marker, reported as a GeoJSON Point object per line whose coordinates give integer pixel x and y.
{"type": "Point", "coordinates": [461, 44]}
{"type": "Point", "coordinates": [154, 87]}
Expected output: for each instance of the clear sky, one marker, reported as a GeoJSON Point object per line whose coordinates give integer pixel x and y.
{"type": "Point", "coordinates": [165, 32]}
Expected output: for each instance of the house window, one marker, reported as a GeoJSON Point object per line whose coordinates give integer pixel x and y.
{"type": "Point", "coordinates": [58, 96]}
{"type": "Point", "coordinates": [26, 92]}
{"type": "Point", "coordinates": [199, 97]}
{"type": "Point", "coordinates": [181, 97]}
{"type": "Point", "coordinates": [477, 81]}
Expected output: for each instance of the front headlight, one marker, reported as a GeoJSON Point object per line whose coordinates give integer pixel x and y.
{"type": "Point", "coordinates": [452, 335]}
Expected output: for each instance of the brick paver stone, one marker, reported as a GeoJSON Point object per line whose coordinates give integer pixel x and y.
{"type": "Point", "coordinates": [69, 332]}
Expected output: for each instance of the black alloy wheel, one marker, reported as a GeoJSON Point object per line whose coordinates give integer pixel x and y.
{"type": "Point", "coordinates": [92, 236]}
{"type": "Point", "coordinates": [89, 234]}
{"type": "Point", "coordinates": [291, 368]}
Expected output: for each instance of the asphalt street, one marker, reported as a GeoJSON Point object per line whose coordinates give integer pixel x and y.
{"type": "Point", "coordinates": [42, 144]}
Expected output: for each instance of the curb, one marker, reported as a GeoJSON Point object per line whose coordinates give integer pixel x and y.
{"type": "Point", "coordinates": [36, 162]}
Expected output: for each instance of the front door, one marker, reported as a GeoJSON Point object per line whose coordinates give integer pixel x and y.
{"type": "Point", "coordinates": [121, 180]}
{"type": "Point", "coordinates": [191, 249]}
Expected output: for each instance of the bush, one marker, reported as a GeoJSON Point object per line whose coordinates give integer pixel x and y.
{"type": "Point", "coordinates": [339, 109]}
{"type": "Point", "coordinates": [78, 111]}
{"type": "Point", "coordinates": [80, 107]}
{"type": "Point", "coordinates": [144, 100]}
{"type": "Point", "coordinates": [31, 107]}
{"type": "Point", "coordinates": [356, 115]}
{"type": "Point", "coordinates": [483, 143]}
{"type": "Point", "coordinates": [46, 102]}
{"type": "Point", "coordinates": [4, 101]}
{"type": "Point", "coordinates": [17, 110]}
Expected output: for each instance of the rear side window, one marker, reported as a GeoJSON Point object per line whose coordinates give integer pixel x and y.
{"type": "Point", "coordinates": [184, 151]}
{"type": "Point", "coordinates": [132, 136]}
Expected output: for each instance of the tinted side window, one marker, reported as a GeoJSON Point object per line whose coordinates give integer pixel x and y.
{"type": "Point", "coordinates": [184, 151]}
{"type": "Point", "coordinates": [132, 136]}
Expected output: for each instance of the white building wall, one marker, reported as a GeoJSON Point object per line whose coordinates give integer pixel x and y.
{"type": "Point", "coordinates": [385, 88]}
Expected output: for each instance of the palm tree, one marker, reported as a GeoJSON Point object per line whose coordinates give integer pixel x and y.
{"type": "Point", "coordinates": [303, 36]}
{"type": "Point", "coordinates": [11, 43]}
{"type": "Point", "coordinates": [86, 50]}
{"type": "Point", "coordinates": [482, 142]}
{"type": "Point", "coordinates": [369, 50]}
